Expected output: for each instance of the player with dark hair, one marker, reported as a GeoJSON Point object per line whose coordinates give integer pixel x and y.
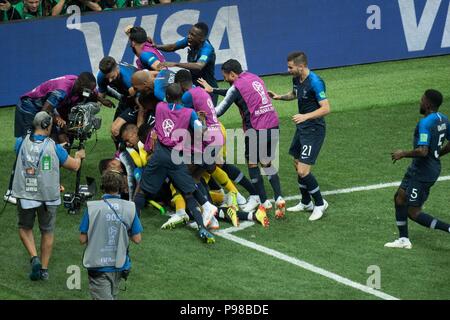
{"type": "Point", "coordinates": [313, 105]}
{"type": "Point", "coordinates": [114, 79]}
{"type": "Point", "coordinates": [65, 91]}
{"type": "Point", "coordinates": [259, 118]}
{"type": "Point", "coordinates": [172, 119]}
{"type": "Point", "coordinates": [201, 58]}
{"type": "Point", "coordinates": [430, 133]}
{"type": "Point", "coordinates": [148, 56]}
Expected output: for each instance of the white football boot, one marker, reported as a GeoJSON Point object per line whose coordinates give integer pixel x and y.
{"type": "Point", "coordinates": [301, 207]}
{"type": "Point", "coordinates": [401, 243]}
{"type": "Point", "coordinates": [318, 211]}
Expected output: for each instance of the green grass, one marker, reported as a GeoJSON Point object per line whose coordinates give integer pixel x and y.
{"type": "Point", "coordinates": [374, 111]}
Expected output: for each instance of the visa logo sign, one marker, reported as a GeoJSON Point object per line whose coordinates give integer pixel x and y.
{"type": "Point", "coordinates": [227, 22]}
{"type": "Point", "coordinates": [417, 29]}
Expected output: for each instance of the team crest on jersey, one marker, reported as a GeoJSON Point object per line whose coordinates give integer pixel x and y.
{"type": "Point", "coordinates": [168, 126]}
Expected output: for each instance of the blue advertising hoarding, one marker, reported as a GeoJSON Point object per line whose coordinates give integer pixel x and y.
{"type": "Point", "coordinates": [259, 34]}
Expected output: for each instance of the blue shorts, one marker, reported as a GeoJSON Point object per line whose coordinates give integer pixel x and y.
{"type": "Point", "coordinates": [160, 167]}
{"type": "Point", "coordinates": [417, 192]}
{"type": "Point", "coordinates": [129, 115]}
{"type": "Point", "coordinates": [306, 144]}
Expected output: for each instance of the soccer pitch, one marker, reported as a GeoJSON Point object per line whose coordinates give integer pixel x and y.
{"type": "Point", "coordinates": [374, 111]}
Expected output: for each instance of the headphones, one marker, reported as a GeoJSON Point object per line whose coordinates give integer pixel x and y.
{"type": "Point", "coordinates": [45, 123]}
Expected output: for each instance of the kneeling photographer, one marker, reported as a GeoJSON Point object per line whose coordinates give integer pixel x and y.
{"type": "Point", "coordinates": [106, 227]}
{"type": "Point", "coordinates": [36, 186]}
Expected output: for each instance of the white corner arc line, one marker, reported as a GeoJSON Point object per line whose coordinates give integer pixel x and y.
{"type": "Point", "coordinates": [305, 265]}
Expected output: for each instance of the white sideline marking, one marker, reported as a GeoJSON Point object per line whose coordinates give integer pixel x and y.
{"type": "Point", "coordinates": [226, 233]}
{"type": "Point", "coordinates": [305, 265]}
{"type": "Point", "coordinates": [363, 188]}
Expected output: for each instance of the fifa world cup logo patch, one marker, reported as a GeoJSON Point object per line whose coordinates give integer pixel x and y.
{"type": "Point", "coordinates": [168, 126]}
{"type": "Point", "coordinates": [260, 89]}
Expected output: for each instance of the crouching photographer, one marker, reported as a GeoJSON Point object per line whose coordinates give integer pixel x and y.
{"type": "Point", "coordinates": [106, 227]}
{"type": "Point", "coordinates": [37, 189]}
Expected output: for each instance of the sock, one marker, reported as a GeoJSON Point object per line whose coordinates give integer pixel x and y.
{"type": "Point", "coordinates": [313, 188]}
{"type": "Point", "coordinates": [242, 215]}
{"type": "Point", "coordinates": [222, 178]}
{"type": "Point", "coordinates": [221, 213]}
{"type": "Point", "coordinates": [192, 206]}
{"type": "Point", "coordinates": [179, 202]}
{"type": "Point", "coordinates": [139, 201]}
{"type": "Point", "coordinates": [429, 221]}
{"type": "Point", "coordinates": [401, 215]}
{"type": "Point", "coordinates": [203, 189]}
{"type": "Point", "coordinates": [258, 183]}
{"type": "Point", "coordinates": [275, 183]}
{"type": "Point", "coordinates": [216, 196]}
{"type": "Point", "coordinates": [238, 177]}
{"type": "Point", "coordinates": [306, 198]}
{"type": "Point", "coordinates": [199, 196]}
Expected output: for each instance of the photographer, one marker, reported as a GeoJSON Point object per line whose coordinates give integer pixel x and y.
{"type": "Point", "coordinates": [37, 189]}
{"type": "Point", "coordinates": [106, 227]}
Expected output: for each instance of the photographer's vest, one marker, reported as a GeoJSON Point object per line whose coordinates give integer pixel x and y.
{"type": "Point", "coordinates": [36, 176]}
{"type": "Point", "coordinates": [259, 104]}
{"type": "Point", "coordinates": [108, 233]}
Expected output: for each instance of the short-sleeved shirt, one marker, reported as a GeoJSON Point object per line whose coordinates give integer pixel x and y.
{"type": "Point", "coordinates": [121, 84]}
{"type": "Point", "coordinates": [148, 59]}
{"type": "Point", "coordinates": [136, 228]}
{"type": "Point", "coordinates": [55, 98]}
{"type": "Point", "coordinates": [431, 131]}
{"type": "Point", "coordinates": [162, 81]}
{"type": "Point", "coordinates": [309, 93]}
{"type": "Point", "coordinates": [205, 54]}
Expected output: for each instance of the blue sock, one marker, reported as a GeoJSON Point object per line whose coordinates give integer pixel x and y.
{"type": "Point", "coordinates": [258, 183]}
{"type": "Point", "coordinates": [238, 176]}
{"type": "Point", "coordinates": [139, 201]}
{"type": "Point", "coordinates": [274, 180]}
{"type": "Point", "coordinates": [306, 198]}
{"type": "Point", "coordinates": [198, 195]}
{"type": "Point", "coordinates": [203, 187]}
{"type": "Point", "coordinates": [313, 188]}
{"type": "Point", "coordinates": [193, 208]}
{"type": "Point", "coordinates": [429, 221]}
{"type": "Point", "coordinates": [401, 215]}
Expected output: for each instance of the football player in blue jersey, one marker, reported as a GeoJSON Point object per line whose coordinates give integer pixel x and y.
{"type": "Point", "coordinates": [429, 136]}
{"type": "Point", "coordinates": [313, 106]}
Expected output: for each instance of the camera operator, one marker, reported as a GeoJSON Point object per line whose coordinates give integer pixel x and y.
{"type": "Point", "coordinates": [106, 227]}
{"type": "Point", "coordinates": [56, 96]}
{"type": "Point", "coordinates": [65, 91]}
{"type": "Point", "coordinates": [37, 189]}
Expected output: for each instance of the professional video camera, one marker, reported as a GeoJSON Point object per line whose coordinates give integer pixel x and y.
{"type": "Point", "coordinates": [73, 201]}
{"type": "Point", "coordinates": [82, 120]}
{"type": "Point", "coordinates": [82, 123]}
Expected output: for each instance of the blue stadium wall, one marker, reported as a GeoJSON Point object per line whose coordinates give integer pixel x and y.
{"type": "Point", "coordinates": [258, 33]}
